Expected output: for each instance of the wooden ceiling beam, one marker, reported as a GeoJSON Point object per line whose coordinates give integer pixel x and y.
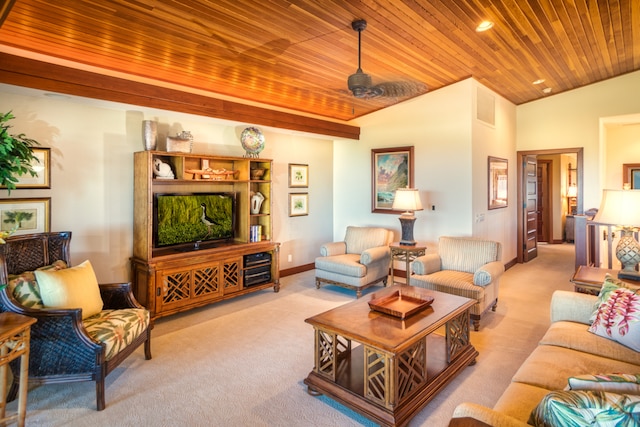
{"type": "Point", "coordinates": [35, 74]}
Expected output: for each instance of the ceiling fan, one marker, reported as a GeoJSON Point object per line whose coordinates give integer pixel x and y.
{"type": "Point", "coordinates": [361, 86]}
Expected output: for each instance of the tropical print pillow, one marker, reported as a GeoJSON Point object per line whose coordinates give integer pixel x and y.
{"type": "Point", "coordinates": [615, 383]}
{"type": "Point", "coordinates": [609, 285]}
{"type": "Point", "coordinates": [618, 318]}
{"type": "Point", "coordinates": [117, 328]}
{"type": "Point", "coordinates": [586, 408]}
{"type": "Point", "coordinates": [25, 289]}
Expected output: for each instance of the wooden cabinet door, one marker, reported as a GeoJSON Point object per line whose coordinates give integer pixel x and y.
{"type": "Point", "coordinates": [232, 275]}
{"type": "Point", "coordinates": [178, 287]}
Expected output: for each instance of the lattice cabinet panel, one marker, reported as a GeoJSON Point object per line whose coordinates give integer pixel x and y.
{"type": "Point", "coordinates": [232, 278]}
{"type": "Point", "coordinates": [333, 351]}
{"type": "Point", "coordinates": [176, 287]}
{"type": "Point", "coordinates": [206, 281]}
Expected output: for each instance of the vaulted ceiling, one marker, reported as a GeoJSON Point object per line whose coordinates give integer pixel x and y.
{"type": "Point", "coordinates": [297, 54]}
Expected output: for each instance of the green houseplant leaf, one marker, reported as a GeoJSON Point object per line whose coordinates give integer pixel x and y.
{"type": "Point", "coordinates": [16, 154]}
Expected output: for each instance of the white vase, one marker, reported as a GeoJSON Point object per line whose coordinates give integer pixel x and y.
{"type": "Point", "coordinates": [149, 134]}
{"type": "Point", "coordinates": [256, 202]}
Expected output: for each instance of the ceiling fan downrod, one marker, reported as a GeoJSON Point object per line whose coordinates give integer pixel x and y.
{"type": "Point", "coordinates": [359, 83]}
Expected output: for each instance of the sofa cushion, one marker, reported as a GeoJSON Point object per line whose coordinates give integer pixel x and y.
{"type": "Point", "coordinates": [452, 282]}
{"type": "Point", "coordinates": [75, 287]}
{"type": "Point", "coordinates": [577, 337]}
{"type": "Point", "coordinates": [618, 317]}
{"type": "Point", "coordinates": [117, 328]}
{"type": "Point", "coordinates": [347, 265]}
{"type": "Point", "coordinates": [359, 239]}
{"type": "Point", "coordinates": [24, 286]}
{"type": "Point", "coordinates": [550, 366]}
{"type": "Point", "coordinates": [519, 399]}
{"type": "Point", "coordinates": [613, 383]}
{"type": "Point", "coordinates": [583, 408]}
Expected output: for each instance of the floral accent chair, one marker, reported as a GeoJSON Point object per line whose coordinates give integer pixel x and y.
{"type": "Point", "coordinates": [463, 266]}
{"type": "Point", "coordinates": [359, 262]}
{"type": "Point", "coordinates": [69, 344]}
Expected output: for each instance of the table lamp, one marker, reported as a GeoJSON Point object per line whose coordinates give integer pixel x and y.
{"type": "Point", "coordinates": [622, 209]}
{"type": "Point", "coordinates": [408, 200]}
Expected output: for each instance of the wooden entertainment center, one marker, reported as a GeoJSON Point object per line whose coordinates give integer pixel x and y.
{"type": "Point", "coordinates": [172, 279]}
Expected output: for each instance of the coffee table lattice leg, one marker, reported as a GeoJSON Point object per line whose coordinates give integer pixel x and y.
{"type": "Point", "coordinates": [457, 330]}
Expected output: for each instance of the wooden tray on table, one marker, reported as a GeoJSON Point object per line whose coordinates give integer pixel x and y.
{"type": "Point", "coordinates": [401, 303]}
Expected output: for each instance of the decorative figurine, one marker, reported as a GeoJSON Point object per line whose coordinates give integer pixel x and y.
{"type": "Point", "coordinates": [162, 170]}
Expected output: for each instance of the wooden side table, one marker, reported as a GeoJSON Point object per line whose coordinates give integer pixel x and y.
{"type": "Point", "coordinates": [405, 253]}
{"type": "Point", "coordinates": [588, 280]}
{"type": "Point", "coordinates": [15, 332]}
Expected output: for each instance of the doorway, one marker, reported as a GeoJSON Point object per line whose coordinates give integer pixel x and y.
{"type": "Point", "coordinates": [528, 209]}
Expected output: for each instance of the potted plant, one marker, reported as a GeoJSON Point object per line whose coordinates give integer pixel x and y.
{"type": "Point", "coordinates": [16, 154]}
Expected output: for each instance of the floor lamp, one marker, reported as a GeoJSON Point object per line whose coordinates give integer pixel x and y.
{"type": "Point", "coordinates": [622, 209]}
{"type": "Point", "coordinates": [408, 200]}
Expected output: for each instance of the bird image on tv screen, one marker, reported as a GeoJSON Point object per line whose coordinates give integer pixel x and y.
{"type": "Point", "coordinates": [190, 218]}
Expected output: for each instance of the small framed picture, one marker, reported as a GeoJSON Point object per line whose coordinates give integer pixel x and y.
{"type": "Point", "coordinates": [298, 176]}
{"type": "Point", "coordinates": [25, 216]}
{"type": "Point", "coordinates": [298, 204]}
{"type": "Point", "coordinates": [42, 167]}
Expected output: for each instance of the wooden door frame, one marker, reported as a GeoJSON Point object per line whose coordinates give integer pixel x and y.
{"type": "Point", "coordinates": [579, 152]}
{"type": "Point", "coordinates": [547, 218]}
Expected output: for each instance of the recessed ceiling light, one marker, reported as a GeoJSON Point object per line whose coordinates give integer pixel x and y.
{"type": "Point", "coordinates": [484, 26]}
{"type": "Point", "coordinates": [546, 90]}
{"type": "Point", "coordinates": [539, 81]}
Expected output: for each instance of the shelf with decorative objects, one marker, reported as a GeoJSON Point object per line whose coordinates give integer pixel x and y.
{"type": "Point", "coordinates": [226, 201]}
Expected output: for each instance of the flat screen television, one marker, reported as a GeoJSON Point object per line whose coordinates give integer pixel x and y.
{"type": "Point", "coordinates": [180, 219]}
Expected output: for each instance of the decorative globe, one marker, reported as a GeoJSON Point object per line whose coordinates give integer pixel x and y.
{"type": "Point", "coordinates": [252, 141]}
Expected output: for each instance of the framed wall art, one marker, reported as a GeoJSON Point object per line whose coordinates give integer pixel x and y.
{"type": "Point", "coordinates": [298, 176]}
{"type": "Point", "coordinates": [498, 178]}
{"type": "Point", "coordinates": [391, 168]}
{"type": "Point", "coordinates": [43, 169]}
{"type": "Point", "coordinates": [25, 215]}
{"type": "Point", "coordinates": [298, 204]}
{"type": "Point", "coordinates": [631, 175]}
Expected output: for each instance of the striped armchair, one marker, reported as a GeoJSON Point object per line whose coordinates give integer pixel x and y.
{"type": "Point", "coordinates": [358, 262]}
{"type": "Point", "coordinates": [466, 267]}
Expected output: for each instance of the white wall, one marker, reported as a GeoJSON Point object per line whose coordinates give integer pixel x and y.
{"type": "Point", "coordinates": [573, 119]}
{"type": "Point", "coordinates": [450, 162]}
{"type": "Point", "coordinates": [92, 143]}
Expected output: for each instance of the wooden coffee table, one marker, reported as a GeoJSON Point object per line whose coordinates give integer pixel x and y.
{"type": "Point", "coordinates": [384, 367]}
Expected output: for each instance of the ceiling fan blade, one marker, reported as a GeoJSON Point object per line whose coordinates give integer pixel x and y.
{"type": "Point", "coordinates": [401, 89]}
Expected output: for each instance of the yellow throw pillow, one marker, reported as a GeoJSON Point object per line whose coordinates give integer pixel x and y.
{"type": "Point", "coordinates": [75, 287]}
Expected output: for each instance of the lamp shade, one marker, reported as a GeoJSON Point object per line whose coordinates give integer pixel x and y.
{"type": "Point", "coordinates": [407, 199]}
{"type": "Point", "coordinates": [572, 191]}
{"type": "Point", "coordinates": [620, 208]}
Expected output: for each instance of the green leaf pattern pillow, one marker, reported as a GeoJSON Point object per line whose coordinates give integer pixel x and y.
{"type": "Point", "coordinates": [586, 408]}
{"type": "Point", "coordinates": [25, 288]}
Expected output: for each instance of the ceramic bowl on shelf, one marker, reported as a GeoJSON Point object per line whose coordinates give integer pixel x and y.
{"type": "Point", "coordinates": [257, 173]}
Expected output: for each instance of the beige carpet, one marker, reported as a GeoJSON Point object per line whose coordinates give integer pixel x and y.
{"type": "Point", "coordinates": [242, 362]}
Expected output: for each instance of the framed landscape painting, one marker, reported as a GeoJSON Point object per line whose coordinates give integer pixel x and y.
{"type": "Point", "coordinates": [391, 168]}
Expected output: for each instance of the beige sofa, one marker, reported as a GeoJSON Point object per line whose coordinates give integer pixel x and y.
{"type": "Point", "coordinates": [567, 349]}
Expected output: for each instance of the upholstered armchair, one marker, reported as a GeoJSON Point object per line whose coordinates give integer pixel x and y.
{"type": "Point", "coordinates": [358, 262]}
{"type": "Point", "coordinates": [463, 266]}
{"type": "Point", "coordinates": [69, 344]}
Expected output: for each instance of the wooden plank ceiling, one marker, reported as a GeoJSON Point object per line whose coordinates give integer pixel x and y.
{"type": "Point", "coordinates": [297, 54]}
